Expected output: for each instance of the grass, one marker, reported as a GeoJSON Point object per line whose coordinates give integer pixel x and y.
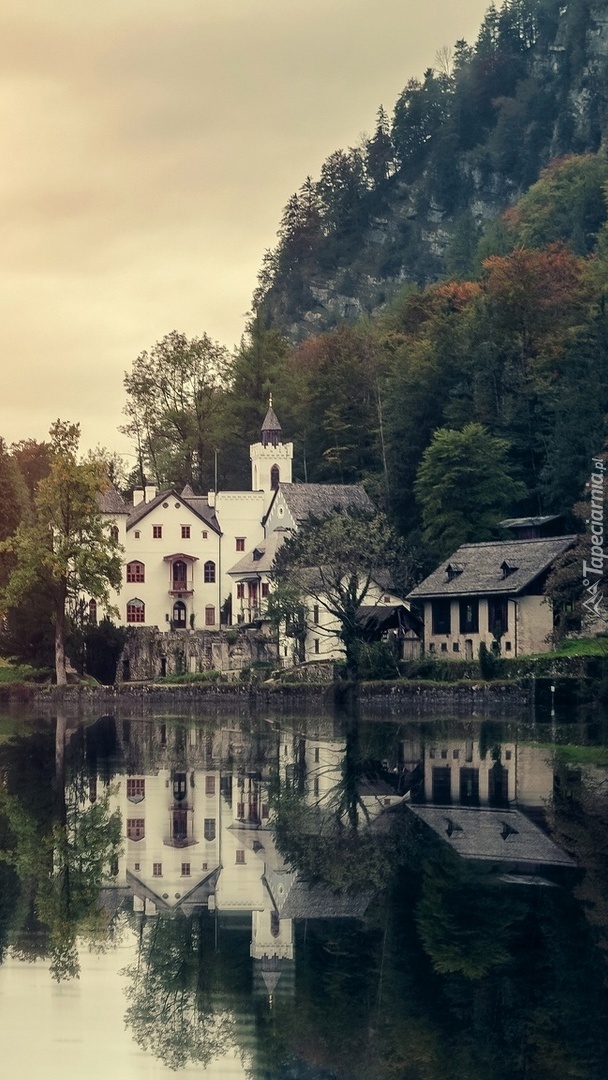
{"type": "Point", "coordinates": [596, 646]}
{"type": "Point", "coordinates": [11, 674]}
{"type": "Point", "coordinates": [211, 676]}
{"type": "Point", "coordinates": [583, 755]}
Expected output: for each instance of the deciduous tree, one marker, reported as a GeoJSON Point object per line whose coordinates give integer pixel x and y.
{"type": "Point", "coordinates": [335, 562]}
{"type": "Point", "coordinates": [67, 548]}
{"type": "Point", "coordinates": [174, 404]}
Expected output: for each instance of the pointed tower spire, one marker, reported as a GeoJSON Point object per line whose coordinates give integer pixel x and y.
{"type": "Point", "coordinates": [271, 458]}
{"type": "Point", "coordinates": [271, 429]}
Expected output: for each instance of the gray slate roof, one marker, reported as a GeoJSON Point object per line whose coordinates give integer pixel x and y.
{"type": "Point", "coordinates": [111, 502]}
{"type": "Point", "coordinates": [271, 422]}
{"type": "Point", "coordinates": [316, 902]}
{"type": "Point", "coordinates": [318, 500]}
{"type": "Point", "coordinates": [261, 559]}
{"type": "Point", "coordinates": [496, 835]}
{"type": "Point", "coordinates": [197, 503]}
{"type": "Point", "coordinates": [479, 567]}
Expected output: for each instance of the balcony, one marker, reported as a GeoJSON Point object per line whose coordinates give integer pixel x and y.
{"type": "Point", "coordinates": [181, 831]}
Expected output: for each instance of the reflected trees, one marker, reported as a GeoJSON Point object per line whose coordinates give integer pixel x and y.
{"type": "Point", "coordinates": [62, 852]}
{"type": "Point", "coordinates": [171, 1008]}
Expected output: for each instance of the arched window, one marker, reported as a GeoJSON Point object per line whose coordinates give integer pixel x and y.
{"type": "Point", "coordinates": [136, 571]}
{"type": "Point", "coordinates": [114, 533]}
{"type": "Point", "coordinates": [93, 612]}
{"type": "Point", "coordinates": [210, 615]}
{"type": "Point", "coordinates": [275, 924]}
{"type": "Point", "coordinates": [274, 477]}
{"type": "Point", "coordinates": [179, 575]}
{"type": "Point", "coordinates": [179, 615]}
{"type": "Point", "coordinates": [136, 611]}
{"type": "Point", "coordinates": [209, 572]}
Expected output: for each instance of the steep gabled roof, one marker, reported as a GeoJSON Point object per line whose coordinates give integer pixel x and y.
{"type": "Point", "coordinates": [503, 836]}
{"type": "Point", "coordinates": [111, 502]}
{"type": "Point", "coordinates": [319, 500]}
{"type": "Point", "coordinates": [479, 569]}
{"type": "Point", "coordinates": [197, 503]}
{"type": "Point", "coordinates": [260, 560]}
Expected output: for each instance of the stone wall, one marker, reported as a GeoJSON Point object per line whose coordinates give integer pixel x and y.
{"type": "Point", "coordinates": [150, 654]}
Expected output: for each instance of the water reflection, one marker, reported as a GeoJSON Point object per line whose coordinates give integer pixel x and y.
{"type": "Point", "coordinates": [357, 899]}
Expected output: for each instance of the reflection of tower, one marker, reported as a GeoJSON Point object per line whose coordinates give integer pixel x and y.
{"type": "Point", "coordinates": [271, 458]}
{"type": "Point", "coordinates": [274, 979]}
{"type": "Point", "coordinates": [271, 936]}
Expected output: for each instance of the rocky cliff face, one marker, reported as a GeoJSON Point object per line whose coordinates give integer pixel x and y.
{"type": "Point", "coordinates": [427, 223]}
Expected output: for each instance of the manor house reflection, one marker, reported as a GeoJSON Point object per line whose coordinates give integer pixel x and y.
{"type": "Point", "coordinates": [197, 809]}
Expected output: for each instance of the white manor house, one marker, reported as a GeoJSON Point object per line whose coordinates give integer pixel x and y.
{"type": "Point", "coordinates": [195, 562]}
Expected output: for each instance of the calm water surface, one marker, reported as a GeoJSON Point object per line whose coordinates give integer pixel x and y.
{"type": "Point", "coordinates": [304, 899]}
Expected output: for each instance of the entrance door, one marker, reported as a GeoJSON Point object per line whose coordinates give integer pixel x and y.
{"type": "Point", "coordinates": [179, 615]}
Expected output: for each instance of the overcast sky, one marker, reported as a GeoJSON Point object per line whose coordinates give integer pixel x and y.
{"type": "Point", "coordinates": [148, 148]}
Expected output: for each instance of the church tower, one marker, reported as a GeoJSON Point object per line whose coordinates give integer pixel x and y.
{"type": "Point", "coordinates": [271, 458]}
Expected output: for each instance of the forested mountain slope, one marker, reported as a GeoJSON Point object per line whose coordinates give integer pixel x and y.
{"type": "Point", "coordinates": [412, 202]}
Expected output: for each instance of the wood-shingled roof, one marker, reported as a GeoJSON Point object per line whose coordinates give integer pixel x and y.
{"type": "Point", "coordinates": [477, 569]}
{"type": "Point", "coordinates": [318, 500]}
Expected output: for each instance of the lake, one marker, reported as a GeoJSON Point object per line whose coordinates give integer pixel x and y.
{"type": "Point", "coordinates": [304, 898]}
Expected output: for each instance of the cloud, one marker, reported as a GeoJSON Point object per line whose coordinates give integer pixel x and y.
{"type": "Point", "coordinates": [148, 149]}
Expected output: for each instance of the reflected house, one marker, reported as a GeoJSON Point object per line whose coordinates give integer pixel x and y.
{"type": "Point", "coordinates": [500, 839]}
{"type": "Point", "coordinates": [491, 593]}
{"type": "Point", "coordinates": [452, 771]}
{"type": "Point", "coordinates": [199, 836]}
{"type": "Point", "coordinates": [470, 797]}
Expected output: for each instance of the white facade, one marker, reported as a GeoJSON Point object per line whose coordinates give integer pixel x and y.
{"type": "Point", "coordinates": [172, 567]}
{"type": "Point", "coordinates": [185, 555]}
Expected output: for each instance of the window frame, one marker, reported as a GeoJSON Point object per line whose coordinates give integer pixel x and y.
{"type": "Point", "coordinates": [498, 605]}
{"type": "Point", "coordinates": [136, 826]}
{"type": "Point", "coordinates": [469, 615]}
{"type": "Point", "coordinates": [441, 616]}
{"type": "Point", "coordinates": [136, 611]}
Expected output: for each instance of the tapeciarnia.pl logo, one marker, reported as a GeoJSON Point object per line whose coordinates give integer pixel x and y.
{"type": "Point", "coordinates": [593, 570]}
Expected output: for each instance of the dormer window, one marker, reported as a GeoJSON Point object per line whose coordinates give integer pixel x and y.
{"type": "Point", "coordinates": [257, 554]}
{"type": "Point", "coordinates": [453, 570]}
{"type": "Point", "coordinates": [507, 569]}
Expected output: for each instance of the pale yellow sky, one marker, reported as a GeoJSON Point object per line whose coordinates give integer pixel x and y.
{"type": "Point", "coordinates": [148, 148]}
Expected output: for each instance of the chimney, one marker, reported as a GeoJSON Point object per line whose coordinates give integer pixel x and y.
{"type": "Point", "coordinates": [138, 496]}
{"type": "Point", "coordinates": [150, 492]}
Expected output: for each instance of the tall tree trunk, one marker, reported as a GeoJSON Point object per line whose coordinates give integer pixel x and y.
{"type": "Point", "coordinates": [60, 743]}
{"type": "Point", "coordinates": [60, 638]}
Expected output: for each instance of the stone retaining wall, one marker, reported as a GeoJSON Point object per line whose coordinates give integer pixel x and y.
{"type": "Point", "coordinates": [150, 654]}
